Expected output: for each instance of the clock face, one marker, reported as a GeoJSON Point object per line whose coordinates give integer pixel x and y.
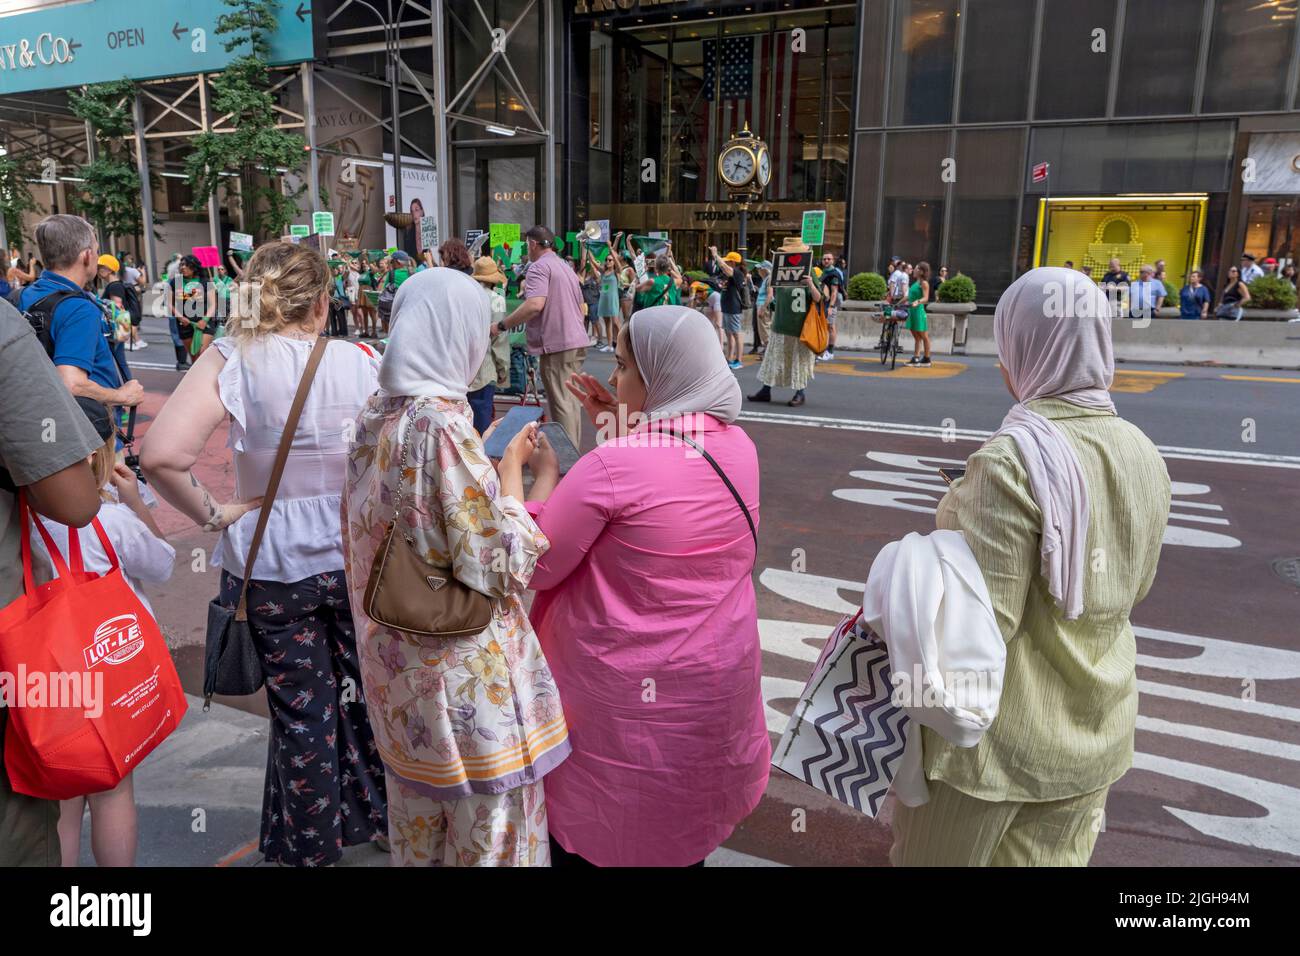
{"type": "Point", "coordinates": [737, 166]}
{"type": "Point", "coordinates": [764, 167]}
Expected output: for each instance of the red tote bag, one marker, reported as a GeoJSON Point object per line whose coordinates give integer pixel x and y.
{"type": "Point", "coordinates": [82, 631]}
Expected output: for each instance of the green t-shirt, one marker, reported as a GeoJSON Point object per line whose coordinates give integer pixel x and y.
{"type": "Point", "coordinates": [792, 304]}
{"type": "Point", "coordinates": [657, 296]}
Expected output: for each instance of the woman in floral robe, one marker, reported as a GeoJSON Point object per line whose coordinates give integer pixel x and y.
{"type": "Point", "coordinates": [466, 726]}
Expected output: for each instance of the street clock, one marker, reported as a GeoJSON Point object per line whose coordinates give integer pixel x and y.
{"type": "Point", "coordinates": [745, 166]}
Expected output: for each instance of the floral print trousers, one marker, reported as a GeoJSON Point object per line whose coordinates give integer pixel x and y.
{"type": "Point", "coordinates": [324, 779]}
{"type": "Point", "coordinates": [491, 829]}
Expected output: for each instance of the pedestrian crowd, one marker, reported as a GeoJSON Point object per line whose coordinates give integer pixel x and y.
{"type": "Point", "coordinates": [479, 660]}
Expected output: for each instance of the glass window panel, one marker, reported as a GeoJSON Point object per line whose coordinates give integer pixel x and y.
{"type": "Point", "coordinates": [997, 45]}
{"type": "Point", "coordinates": [871, 78]}
{"type": "Point", "coordinates": [1072, 78]}
{"type": "Point", "coordinates": [865, 206]}
{"type": "Point", "coordinates": [688, 162]}
{"type": "Point", "coordinates": [1250, 50]}
{"type": "Point", "coordinates": [924, 48]}
{"type": "Point", "coordinates": [1157, 71]}
{"type": "Point", "coordinates": [1133, 157]}
{"type": "Point", "coordinates": [983, 227]}
{"type": "Point", "coordinates": [912, 220]}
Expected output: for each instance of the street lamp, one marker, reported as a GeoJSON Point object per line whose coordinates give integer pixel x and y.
{"type": "Point", "coordinates": [745, 168]}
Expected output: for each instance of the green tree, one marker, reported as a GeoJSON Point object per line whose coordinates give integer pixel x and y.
{"type": "Point", "coordinates": [254, 146]}
{"type": "Point", "coordinates": [16, 194]}
{"type": "Point", "coordinates": [110, 196]}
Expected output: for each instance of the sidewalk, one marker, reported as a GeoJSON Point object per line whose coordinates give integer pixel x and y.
{"type": "Point", "coordinates": [199, 797]}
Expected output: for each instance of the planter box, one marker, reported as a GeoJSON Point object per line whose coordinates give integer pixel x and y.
{"type": "Point", "coordinates": [1273, 344]}
{"type": "Point", "coordinates": [1267, 315]}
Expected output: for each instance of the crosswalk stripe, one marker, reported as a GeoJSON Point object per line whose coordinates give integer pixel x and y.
{"type": "Point", "coordinates": [973, 434]}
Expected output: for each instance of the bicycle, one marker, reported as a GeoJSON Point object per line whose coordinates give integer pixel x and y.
{"type": "Point", "coordinates": [890, 343]}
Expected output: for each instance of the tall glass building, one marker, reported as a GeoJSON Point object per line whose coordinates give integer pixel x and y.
{"type": "Point", "coordinates": [1176, 102]}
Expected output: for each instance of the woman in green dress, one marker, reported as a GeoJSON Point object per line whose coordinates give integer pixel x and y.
{"type": "Point", "coordinates": [788, 363]}
{"type": "Point", "coordinates": [367, 317]}
{"type": "Point", "coordinates": [917, 321]}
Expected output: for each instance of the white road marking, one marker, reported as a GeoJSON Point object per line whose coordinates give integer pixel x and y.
{"type": "Point", "coordinates": [924, 487]}
{"type": "Point", "coordinates": [1220, 738]}
{"type": "Point", "coordinates": [1208, 698]}
{"type": "Point", "coordinates": [971, 434]}
{"type": "Point", "coordinates": [1278, 829]}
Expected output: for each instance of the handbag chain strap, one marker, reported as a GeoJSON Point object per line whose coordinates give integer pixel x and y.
{"type": "Point", "coordinates": [401, 471]}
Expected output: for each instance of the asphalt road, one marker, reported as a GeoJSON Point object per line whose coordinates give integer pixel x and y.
{"type": "Point", "coordinates": [1216, 778]}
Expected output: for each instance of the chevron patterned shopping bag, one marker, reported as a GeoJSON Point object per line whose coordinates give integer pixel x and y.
{"type": "Point", "coordinates": [846, 736]}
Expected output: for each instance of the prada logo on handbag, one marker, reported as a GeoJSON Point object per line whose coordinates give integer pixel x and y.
{"type": "Point", "coordinates": [435, 583]}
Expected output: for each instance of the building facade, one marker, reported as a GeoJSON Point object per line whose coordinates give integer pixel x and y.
{"type": "Point", "coordinates": [985, 135]}
{"type": "Point", "coordinates": [1163, 104]}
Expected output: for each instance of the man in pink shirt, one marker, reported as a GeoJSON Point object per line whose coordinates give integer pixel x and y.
{"type": "Point", "coordinates": [552, 312]}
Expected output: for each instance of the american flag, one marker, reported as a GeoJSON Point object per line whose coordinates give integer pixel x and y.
{"type": "Point", "coordinates": [764, 97]}
{"type": "Point", "coordinates": [737, 73]}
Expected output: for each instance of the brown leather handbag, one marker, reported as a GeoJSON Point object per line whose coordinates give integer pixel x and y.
{"type": "Point", "coordinates": [409, 594]}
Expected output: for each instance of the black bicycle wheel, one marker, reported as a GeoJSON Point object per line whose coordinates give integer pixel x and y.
{"type": "Point", "coordinates": [885, 339]}
{"type": "Point", "coordinates": [894, 347]}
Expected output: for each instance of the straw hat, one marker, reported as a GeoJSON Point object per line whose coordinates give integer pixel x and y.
{"type": "Point", "coordinates": [794, 244]}
{"type": "Point", "coordinates": [487, 271]}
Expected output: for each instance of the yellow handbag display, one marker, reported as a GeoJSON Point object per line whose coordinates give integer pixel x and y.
{"type": "Point", "coordinates": [816, 333]}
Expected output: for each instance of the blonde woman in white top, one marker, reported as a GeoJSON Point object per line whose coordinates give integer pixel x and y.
{"type": "Point", "coordinates": [324, 781]}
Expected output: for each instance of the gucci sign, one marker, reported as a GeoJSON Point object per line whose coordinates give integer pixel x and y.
{"type": "Point", "coordinates": [516, 196]}
{"type": "Point", "coordinates": [47, 51]}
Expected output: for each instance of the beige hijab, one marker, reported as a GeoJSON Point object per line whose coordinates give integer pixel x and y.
{"type": "Point", "coordinates": [1052, 328]}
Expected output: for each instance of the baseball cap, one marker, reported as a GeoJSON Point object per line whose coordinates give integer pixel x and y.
{"type": "Point", "coordinates": [97, 414]}
{"type": "Point", "coordinates": [1270, 261]}
{"type": "Point", "coordinates": [732, 257]}
{"type": "Point", "coordinates": [109, 262]}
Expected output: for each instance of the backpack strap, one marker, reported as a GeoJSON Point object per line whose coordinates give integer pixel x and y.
{"type": "Point", "coordinates": [41, 316]}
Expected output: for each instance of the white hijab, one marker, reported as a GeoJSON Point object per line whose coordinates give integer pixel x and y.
{"type": "Point", "coordinates": [677, 352]}
{"type": "Point", "coordinates": [1053, 334]}
{"type": "Point", "coordinates": [439, 336]}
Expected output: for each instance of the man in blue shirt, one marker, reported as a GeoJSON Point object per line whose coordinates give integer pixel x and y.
{"type": "Point", "coordinates": [82, 354]}
{"type": "Point", "coordinates": [1194, 300]}
{"type": "Point", "coordinates": [1146, 295]}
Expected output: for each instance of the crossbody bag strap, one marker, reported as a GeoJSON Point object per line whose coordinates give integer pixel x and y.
{"type": "Point", "coordinates": [725, 480]}
{"type": "Point", "coordinates": [277, 470]}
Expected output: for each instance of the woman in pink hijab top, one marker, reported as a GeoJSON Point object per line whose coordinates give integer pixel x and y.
{"type": "Point", "coordinates": [645, 606]}
{"type": "Point", "coordinates": [1064, 509]}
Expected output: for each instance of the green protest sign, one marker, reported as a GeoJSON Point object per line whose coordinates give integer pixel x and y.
{"type": "Point", "coordinates": [499, 233]}
{"type": "Point", "coordinates": [301, 232]}
{"type": "Point", "coordinates": [322, 223]}
{"type": "Point", "coordinates": [814, 227]}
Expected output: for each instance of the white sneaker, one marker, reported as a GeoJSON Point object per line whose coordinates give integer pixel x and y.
{"type": "Point", "coordinates": [141, 344]}
{"type": "Point", "coordinates": [825, 357]}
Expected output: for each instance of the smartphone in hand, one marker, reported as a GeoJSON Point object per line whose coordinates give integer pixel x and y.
{"type": "Point", "coordinates": [510, 426]}
{"type": "Point", "coordinates": [951, 474]}
{"type": "Point", "coordinates": [565, 453]}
